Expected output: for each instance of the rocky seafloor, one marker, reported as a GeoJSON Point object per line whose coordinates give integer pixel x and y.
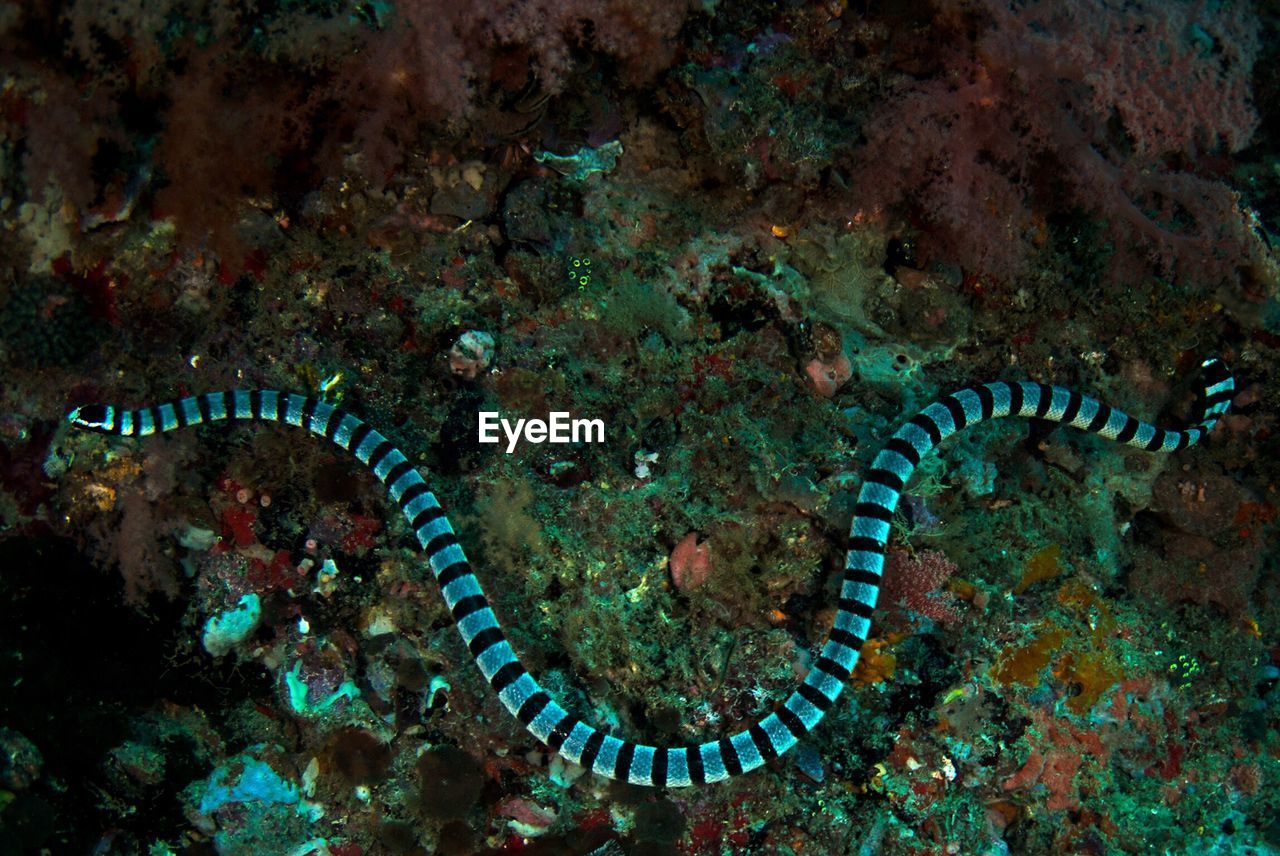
{"type": "Point", "coordinates": [750, 238]}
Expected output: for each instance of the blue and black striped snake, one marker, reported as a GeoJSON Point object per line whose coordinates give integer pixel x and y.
{"type": "Point", "coordinates": [520, 692]}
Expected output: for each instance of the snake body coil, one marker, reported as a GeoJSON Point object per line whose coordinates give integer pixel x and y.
{"type": "Point", "coordinates": [522, 695]}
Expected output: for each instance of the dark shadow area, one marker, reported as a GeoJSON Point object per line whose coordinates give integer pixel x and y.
{"type": "Point", "coordinates": [80, 672]}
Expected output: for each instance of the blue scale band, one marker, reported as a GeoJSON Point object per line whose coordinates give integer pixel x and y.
{"type": "Point", "coordinates": [641, 766]}
{"type": "Point", "coordinates": [514, 696]}
{"type": "Point", "coordinates": [804, 708]}
{"type": "Point", "coordinates": [1000, 396]}
{"type": "Point", "coordinates": [972, 405]}
{"type": "Point", "coordinates": [825, 683]}
{"type": "Point", "coordinates": [862, 591]}
{"type": "Point", "coordinates": [448, 556]}
{"type": "Point", "coordinates": [467, 586]}
{"type": "Point", "coordinates": [342, 436]}
{"type": "Point", "coordinates": [1088, 410]}
{"type": "Point", "coordinates": [420, 504]}
{"type": "Point", "coordinates": [864, 560]}
{"type": "Point", "coordinates": [895, 463]}
{"type": "Point", "coordinates": [427, 531]}
{"type": "Point", "coordinates": [846, 658]}
{"type": "Point", "coordinates": [713, 762]}
{"type": "Point", "coordinates": [1114, 424]}
{"type": "Point", "coordinates": [678, 769]}
{"type": "Point", "coordinates": [1030, 398]}
{"type": "Point", "coordinates": [320, 418]}
{"type": "Point", "coordinates": [371, 442]}
{"type": "Point", "coordinates": [475, 622]}
{"type": "Point", "coordinates": [608, 756]}
{"type": "Point", "coordinates": [574, 743]}
{"type": "Point", "coordinates": [916, 437]}
{"type": "Point", "coordinates": [270, 408]}
{"type": "Point", "coordinates": [748, 755]}
{"type": "Point", "coordinates": [942, 418]}
{"type": "Point", "coordinates": [389, 460]}
{"type": "Point", "coordinates": [866, 527]}
{"type": "Point", "coordinates": [494, 658]}
{"type": "Point", "coordinates": [402, 484]}
{"type": "Point", "coordinates": [546, 720]}
{"type": "Point", "coordinates": [880, 494]}
{"type": "Point", "coordinates": [854, 624]}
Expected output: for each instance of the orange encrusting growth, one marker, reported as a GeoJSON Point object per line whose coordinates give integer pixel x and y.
{"type": "Point", "coordinates": [877, 663]}
{"type": "Point", "coordinates": [1044, 565]}
{"type": "Point", "coordinates": [1023, 665]}
{"type": "Point", "coordinates": [1088, 664]}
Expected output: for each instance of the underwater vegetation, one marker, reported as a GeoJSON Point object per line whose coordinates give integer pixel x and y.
{"type": "Point", "coordinates": [752, 239]}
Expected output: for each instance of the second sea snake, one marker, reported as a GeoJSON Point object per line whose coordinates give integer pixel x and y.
{"type": "Point", "coordinates": [520, 692]}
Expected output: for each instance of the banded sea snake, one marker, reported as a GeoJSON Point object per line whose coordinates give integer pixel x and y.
{"type": "Point", "coordinates": [521, 694]}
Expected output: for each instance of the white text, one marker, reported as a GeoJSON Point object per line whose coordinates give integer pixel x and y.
{"type": "Point", "coordinates": [558, 428]}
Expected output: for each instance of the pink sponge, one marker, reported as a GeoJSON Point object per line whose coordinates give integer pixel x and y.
{"type": "Point", "coordinates": [690, 563]}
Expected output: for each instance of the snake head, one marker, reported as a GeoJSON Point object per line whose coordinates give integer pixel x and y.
{"type": "Point", "coordinates": [94, 417]}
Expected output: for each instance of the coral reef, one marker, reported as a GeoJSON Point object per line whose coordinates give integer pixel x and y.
{"type": "Point", "coordinates": [750, 238]}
